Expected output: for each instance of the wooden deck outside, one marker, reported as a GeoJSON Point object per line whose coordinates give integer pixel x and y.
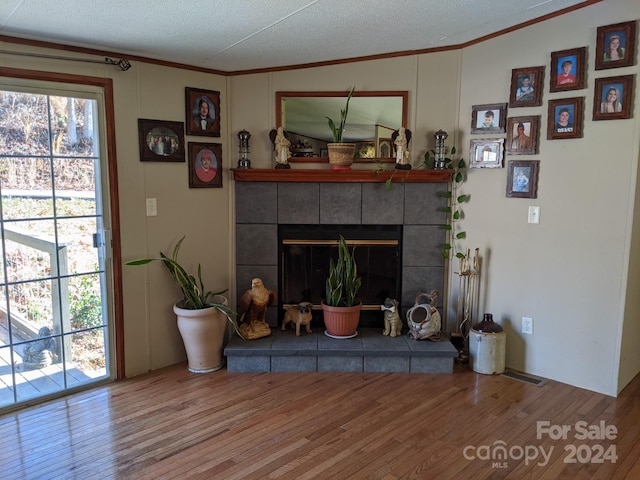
{"type": "Point", "coordinates": [33, 383]}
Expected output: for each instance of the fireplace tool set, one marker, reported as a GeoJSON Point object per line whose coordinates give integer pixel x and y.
{"type": "Point", "coordinates": [468, 291]}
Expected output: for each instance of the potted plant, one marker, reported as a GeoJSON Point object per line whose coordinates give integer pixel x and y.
{"type": "Point", "coordinates": [341, 307]}
{"type": "Point", "coordinates": [202, 315]}
{"type": "Point", "coordinates": [340, 153]}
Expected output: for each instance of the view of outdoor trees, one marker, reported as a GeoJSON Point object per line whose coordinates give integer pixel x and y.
{"type": "Point", "coordinates": [50, 277]}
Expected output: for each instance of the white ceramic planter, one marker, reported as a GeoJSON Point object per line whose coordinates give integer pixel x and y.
{"type": "Point", "coordinates": [203, 333]}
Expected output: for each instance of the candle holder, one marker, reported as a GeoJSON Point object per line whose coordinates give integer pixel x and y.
{"type": "Point", "coordinates": [439, 162]}
{"type": "Point", "coordinates": [243, 137]}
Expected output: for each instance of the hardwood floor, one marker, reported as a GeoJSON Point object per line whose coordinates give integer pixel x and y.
{"type": "Point", "coordinates": [172, 424]}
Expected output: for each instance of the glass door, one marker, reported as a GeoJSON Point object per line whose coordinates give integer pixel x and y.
{"type": "Point", "coordinates": [55, 327]}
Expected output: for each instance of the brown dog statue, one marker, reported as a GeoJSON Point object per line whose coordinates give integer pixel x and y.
{"type": "Point", "coordinates": [299, 315]}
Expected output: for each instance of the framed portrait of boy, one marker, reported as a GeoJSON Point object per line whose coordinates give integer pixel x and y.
{"type": "Point", "coordinates": [612, 97]}
{"type": "Point", "coordinates": [567, 70]}
{"type": "Point", "coordinates": [490, 118]}
{"type": "Point", "coordinates": [203, 112]}
{"type": "Point", "coordinates": [486, 153]}
{"type": "Point", "coordinates": [161, 141]}
{"type": "Point", "coordinates": [526, 87]}
{"type": "Point", "coordinates": [616, 45]}
{"type": "Point", "coordinates": [564, 119]}
{"type": "Point", "coordinates": [522, 135]}
{"type": "Point", "coordinates": [522, 178]}
{"type": "Point", "coordinates": [205, 165]}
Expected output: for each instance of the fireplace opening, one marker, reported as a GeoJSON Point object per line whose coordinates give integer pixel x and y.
{"type": "Point", "coordinates": [304, 252]}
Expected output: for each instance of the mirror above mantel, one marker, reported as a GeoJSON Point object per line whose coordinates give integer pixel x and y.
{"type": "Point", "coordinates": [373, 117]}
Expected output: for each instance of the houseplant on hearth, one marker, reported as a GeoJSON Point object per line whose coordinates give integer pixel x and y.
{"type": "Point", "coordinates": [341, 306]}
{"type": "Point", "coordinates": [341, 153]}
{"type": "Point", "coordinates": [202, 315]}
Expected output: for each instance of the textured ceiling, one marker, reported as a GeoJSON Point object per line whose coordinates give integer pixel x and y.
{"type": "Point", "coordinates": [240, 35]}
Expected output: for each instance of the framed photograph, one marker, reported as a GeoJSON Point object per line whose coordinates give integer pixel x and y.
{"type": "Point", "coordinates": [616, 45]}
{"type": "Point", "coordinates": [564, 119]}
{"type": "Point", "coordinates": [522, 135]}
{"type": "Point", "coordinates": [385, 149]}
{"type": "Point", "coordinates": [486, 153]}
{"type": "Point", "coordinates": [203, 112]}
{"type": "Point", "coordinates": [567, 70]}
{"type": "Point", "coordinates": [161, 141]}
{"type": "Point", "coordinates": [488, 118]}
{"type": "Point", "coordinates": [522, 178]}
{"type": "Point", "coordinates": [205, 165]}
{"type": "Point", "coordinates": [612, 98]}
{"type": "Point", "coordinates": [526, 87]}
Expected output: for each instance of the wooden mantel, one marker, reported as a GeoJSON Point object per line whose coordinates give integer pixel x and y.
{"type": "Point", "coordinates": [338, 176]}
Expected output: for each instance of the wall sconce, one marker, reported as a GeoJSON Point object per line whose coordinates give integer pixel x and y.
{"type": "Point", "coordinates": [439, 161]}
{"type": "Point", "coordinates": [243, 137]}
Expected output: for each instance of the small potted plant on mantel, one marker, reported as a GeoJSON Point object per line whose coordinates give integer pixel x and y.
{"type": "Point", "coordinates": [341, 307]}
{"type": "Point", "coordinates": [202, 315]}
{"type": "Point", "coordinates": [341, 153]}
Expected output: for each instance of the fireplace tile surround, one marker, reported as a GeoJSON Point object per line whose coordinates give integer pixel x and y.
{"type": "Point", "coordinates": [331, 200]}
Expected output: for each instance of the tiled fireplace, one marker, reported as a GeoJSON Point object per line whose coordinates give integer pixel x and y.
{"type": "Point", "coordinates": [268, 199]}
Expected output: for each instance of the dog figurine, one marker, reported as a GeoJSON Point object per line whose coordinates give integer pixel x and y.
{"type": "Point", "coordinates": [392, 322]}
{"type": "Point", "coordinates": [299, 315]}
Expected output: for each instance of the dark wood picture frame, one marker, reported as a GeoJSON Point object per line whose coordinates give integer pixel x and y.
{"type": "Point", "coordinates": [529, 144]}
{"type": "Point", "coordinates": [527, 170]}
{"type": "Point", "coordinates": [195, 100]}
{"type": "Point", "coordinates": [160, 141]}
{"type": "Point", "coordinates": [564, 118]}
{"type": "Point", "coordinates": [203, 177]}
{"type": "Point", "coordinates": [526, 87]}
{"type": "Point", "coordinates": [486, 153]}
{"type": "Point", "coordinates": [621, 107]}
{"type": "Point", "coordinates": [480, 113]}
{"type": "Point", "coordinates": [625, 35]}
{"type": "Point", "coordinates": [567, 69]}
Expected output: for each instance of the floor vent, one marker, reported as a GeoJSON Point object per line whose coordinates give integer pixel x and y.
{"type": "Point", "coordinates": [525, 377]}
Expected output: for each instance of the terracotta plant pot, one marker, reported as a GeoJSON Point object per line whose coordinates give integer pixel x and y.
{"type": "Point", "coordinates": [341, 321]}
{"type": "Point", "coordinates": [203, 334]}
{"type": "Point", "coordinates": [341, 155]}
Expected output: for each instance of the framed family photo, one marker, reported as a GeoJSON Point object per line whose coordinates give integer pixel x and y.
{"type": "Point", "coordinates": [161, 141]}
{"type": "Point", "coordinates": [526, 87]}
{"type": "Point", "coordinates": [489, 118]}
{"type": "Point", "coordinates": [612, 97]}
{"type": "Point", "coordinates": [522, 135]}
{"type": "Point", "coordinates": [567, 70]}
{"type": "Point", "coordinates": [205, 165]}
{"type": "Point", "coordinates": [522, 178]}
{"type": "Point", "coordinates": [564, 119]}
{"type": "Point", "coordinates": [616, 45]}
{"type": "Point", "coordinates": [486, 153]}
{"type": "Point", "coordinates": [203, 112]}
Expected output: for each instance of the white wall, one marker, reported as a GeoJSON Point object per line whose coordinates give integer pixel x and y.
{"type": "Point", "coordinates": [202, 215]}
{"type": "Point", "coordinates": [569, 272]}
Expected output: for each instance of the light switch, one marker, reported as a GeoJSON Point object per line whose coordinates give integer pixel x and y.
{"type": "Point", "coordinates": [152, 207]}
{"type": "Point", "coordinates": [534, 214]}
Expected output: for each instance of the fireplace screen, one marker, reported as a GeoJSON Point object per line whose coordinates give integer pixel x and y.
{"type": "Point", "coordinates": [304, 265]}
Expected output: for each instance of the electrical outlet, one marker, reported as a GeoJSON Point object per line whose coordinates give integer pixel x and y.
{"type": "Point", "coordinates": [527, 325]}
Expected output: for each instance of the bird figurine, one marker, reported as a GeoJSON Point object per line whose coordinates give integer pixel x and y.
{"type": "Point", "coordinates": [253, 310]}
